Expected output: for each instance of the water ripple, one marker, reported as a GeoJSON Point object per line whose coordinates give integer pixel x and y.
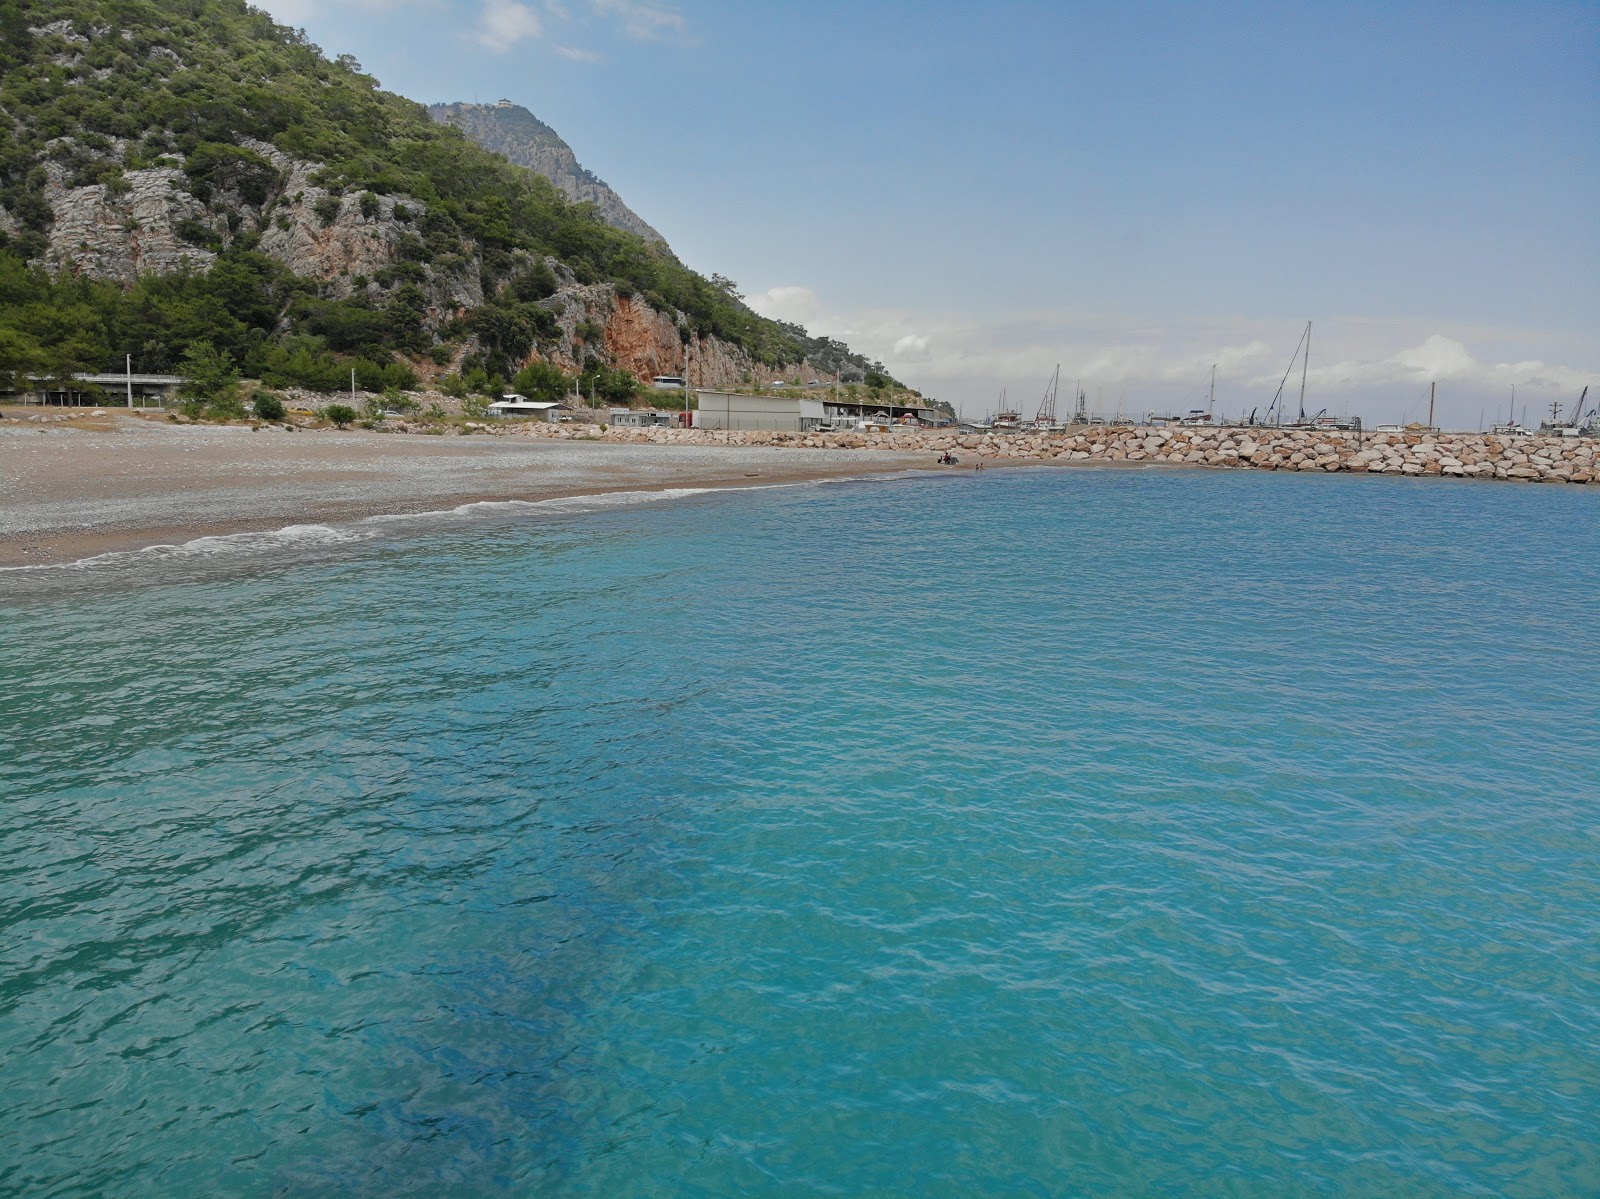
{"type": "Point", "coordinates": [1094, 833]}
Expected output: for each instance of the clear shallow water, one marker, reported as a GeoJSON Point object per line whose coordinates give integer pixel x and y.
{"type": "Point", "coordinates": [1094, 833]}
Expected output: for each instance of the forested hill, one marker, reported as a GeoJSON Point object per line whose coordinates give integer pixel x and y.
{"type": "Point", "coordinates": [182, 170]}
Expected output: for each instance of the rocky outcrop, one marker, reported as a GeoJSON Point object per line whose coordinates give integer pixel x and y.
{"type": "Point", "coordinates": [359, 236]}
{"type": "Point", "coordinates": [150, 222]}
{"type": "Point", "coordinates": [646, 342]}
{"type": "Point", "coordinates": [522, 138]}
{"type": "Point", "coordinates": [119, 234]}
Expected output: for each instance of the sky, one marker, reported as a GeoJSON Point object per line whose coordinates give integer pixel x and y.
{"type": "Point", "coordinates": [975, 193]}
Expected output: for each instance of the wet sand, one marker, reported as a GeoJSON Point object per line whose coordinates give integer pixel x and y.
{"type": "Point", "coordinates": [97, 485]}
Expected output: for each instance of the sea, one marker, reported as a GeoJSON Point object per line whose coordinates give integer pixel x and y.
{"type": "Point", "coordinates": [1082, 832]}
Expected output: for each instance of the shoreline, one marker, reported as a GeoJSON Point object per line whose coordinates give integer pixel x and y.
{"type": "Point", "coordinates": [103, 483]}
{"type": "Point", "coordinates": [119, 485]}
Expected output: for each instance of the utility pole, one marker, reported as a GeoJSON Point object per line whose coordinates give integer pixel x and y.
{"type": "Point", "coordinates": [1432, 390]}
{"type": "Point", "coordinates": [352, 385]}
{"type": "Point", "coordinates": [130, 382]}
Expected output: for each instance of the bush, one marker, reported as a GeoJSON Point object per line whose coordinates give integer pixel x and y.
{"type": "Point", "coordinates": [227, 406]}
{"type": "Point", "coordinates": [398, 401]}
{"type": "Point", "coordinates": [269, 406]}
{"type": "Point", "coordinates": [475, 406]}
{"type": "Point", "coordinates": [341, 415]}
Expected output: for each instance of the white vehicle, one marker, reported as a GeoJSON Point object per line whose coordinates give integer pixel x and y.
{"type": "Point", "coordinates": [667, 383]}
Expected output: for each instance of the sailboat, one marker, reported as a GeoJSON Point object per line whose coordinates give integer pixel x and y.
{"type": "Point", "coordinates": [1045, 421]}
{"type": "Point", "coordinates": [1007, 420]}
{"type": "Point", "coordinates": [1275, 409]}
{"type": "Point", "coordinates": [1202, 416]}
{"type": "Point", "coordinates": [1509, 427]}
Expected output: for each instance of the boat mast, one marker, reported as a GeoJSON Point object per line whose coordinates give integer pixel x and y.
{"type": "Point", "coordinates": [1305, 364]}
{"type": "Point", "coordinates": [1211, 398]}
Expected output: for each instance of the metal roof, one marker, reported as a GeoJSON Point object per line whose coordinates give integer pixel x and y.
{"type": "Point", "coordinates": [119, 377]}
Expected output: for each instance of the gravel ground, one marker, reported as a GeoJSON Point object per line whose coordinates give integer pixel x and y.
{"type": "Point", "coordinates": [118, 482]}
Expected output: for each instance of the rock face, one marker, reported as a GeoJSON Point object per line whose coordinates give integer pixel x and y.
{"type": "Point", "coordinates": [361, 238]}
{"type": "Point", "coordinates": [637, 338]}
{"type": "Point", "coordinates": [516, 134]}
{"type": "Point", "coordinates": [119, 235]}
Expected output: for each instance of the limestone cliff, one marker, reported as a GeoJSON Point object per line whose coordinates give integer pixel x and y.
{"type": "Point", "coordinates": [623, 331]}
{"type": "Point", "coordinates": [118, 232]}
{"type": "Point", "coordinates": [515, 133]}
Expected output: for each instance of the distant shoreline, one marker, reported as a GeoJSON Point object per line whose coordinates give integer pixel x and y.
{"type": "Point", "coordinates": [117, 483]}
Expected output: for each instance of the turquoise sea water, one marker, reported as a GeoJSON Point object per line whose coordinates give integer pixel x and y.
{"type": "Point", "coordinates": [1104, 833]}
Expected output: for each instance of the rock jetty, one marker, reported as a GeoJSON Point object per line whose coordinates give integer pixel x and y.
{"type": "Point", "coordinates": [1533, 459]}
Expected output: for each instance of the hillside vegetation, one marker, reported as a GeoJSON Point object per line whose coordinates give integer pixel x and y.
{"type": "Point", "coordinates": [212, 113]}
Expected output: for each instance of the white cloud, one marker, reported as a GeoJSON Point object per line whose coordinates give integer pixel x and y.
{"type": "Point", "coordinates": [504, 23]}
{"type": "Point", "coordinates": [913, 347]}
{"type": "Point", "coordinates": [642, 18]}
{"type": "Point", "coordinates": [797, 304]}
{"type": "Point", "coordinates": [577, 55]}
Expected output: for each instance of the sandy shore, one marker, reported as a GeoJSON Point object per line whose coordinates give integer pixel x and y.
{"type": "Point", "coordinates": [96, 485]}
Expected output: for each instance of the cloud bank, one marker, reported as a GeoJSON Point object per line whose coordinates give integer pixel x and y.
{"type": "Point", "coordinates": [1380, 370]}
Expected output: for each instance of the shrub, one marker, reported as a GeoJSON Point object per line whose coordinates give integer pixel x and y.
{"type": "Point", "coordinates": [398, 401]}
{"type": "Point", "coordinates": [475, 406]}
{"type": "Point", "coordinates": [269, 406]}
{"type": "Point", "coordinates": [226, 406]}
{"type": "Point", "coordinates": [327, 209]}
{"type": "Point", "coordinates": [341, 415]}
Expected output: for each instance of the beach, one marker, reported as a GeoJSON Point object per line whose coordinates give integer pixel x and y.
{"type": "Point", "coordinates": [113, 482]}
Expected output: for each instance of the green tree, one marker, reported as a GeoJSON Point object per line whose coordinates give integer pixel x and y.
{"type": "Point", "coordinates": [208, 373]}
{"type": "Point", "coordinates": [342, 415]}
{"type": "Point", "coordinates": [20, 356]}
{"type": "Point", "coordinates": [542, 381]}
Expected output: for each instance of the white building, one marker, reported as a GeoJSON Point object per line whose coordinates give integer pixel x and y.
{"type": "Point", "coordinates": [515, 405]}
{"type": "Point", "coordinates": [783, 414]}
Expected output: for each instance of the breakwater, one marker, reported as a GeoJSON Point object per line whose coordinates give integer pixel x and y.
{"type": "Point", "coordinates": [1530, 458]}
